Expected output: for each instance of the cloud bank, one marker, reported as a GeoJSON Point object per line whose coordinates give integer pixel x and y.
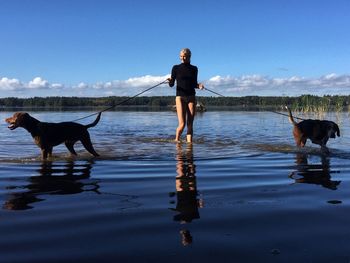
{"type": "Point", "coordinates": [249, 85]}
{"type": "Point", "coordinates": [330, 84]}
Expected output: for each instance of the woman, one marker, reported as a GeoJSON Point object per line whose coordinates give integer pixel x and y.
{"type": "Point", "coordinates": [185, 76]}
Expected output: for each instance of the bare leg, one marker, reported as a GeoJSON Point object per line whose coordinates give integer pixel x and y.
{"type": "Point", "coordinates": [191, 111]}
{"type": "Point", "coordinates": [181, 116]}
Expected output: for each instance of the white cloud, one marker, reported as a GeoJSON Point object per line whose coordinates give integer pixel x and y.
{"type": "Point", "coordinates": [147, 80]}
{"type": "Point", "coordinates": [57, 86]}
{"type": "Point", "coordinates": [335, 80]}
{"type": "Point", "coordinates": [127, 87]}
{"type": "Point", "coordinates": [10, 84]}
{"type": "Point", "coordinates": [245, 85]}
{"type": "Point", "coordinates": [81, 85]}
{"type": "Point", "coordinates": [38, 83]}
{"type": "Point", "coordinates": [20, 89]}
{"type": "Point", "coordinates": [263, 85]}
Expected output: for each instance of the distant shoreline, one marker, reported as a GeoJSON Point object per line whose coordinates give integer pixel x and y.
{"type": "Point", "coordinates": [306, 103]}
{"type": "Point", "coordinates": [251, 108]}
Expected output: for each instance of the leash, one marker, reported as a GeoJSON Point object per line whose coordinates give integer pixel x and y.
{"type": "Point", "coordinates": [126, 100]}
{"type": "Point", "coordinates": [214, 92]}
{"type": "Point", "coordinates": [270, 111]}
{"type": "Point", "coordinates": [287, 115]}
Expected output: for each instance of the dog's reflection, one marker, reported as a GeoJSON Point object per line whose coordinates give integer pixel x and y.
{"type": "Point", "coordinates": [71, 177]}
{"type": "Point", "coordinates": [187, 198]}
{"type": "Point", "coordinates": [319, 174]}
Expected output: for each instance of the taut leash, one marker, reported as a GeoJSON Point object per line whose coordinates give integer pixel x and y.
{"type": "Point", "coordinates": [126, 100]}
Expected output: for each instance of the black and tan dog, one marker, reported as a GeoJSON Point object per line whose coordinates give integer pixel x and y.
{"type": "Point", "coordinates": [318, 131]}
{"type": "Point", "coordinates": [47, 135]}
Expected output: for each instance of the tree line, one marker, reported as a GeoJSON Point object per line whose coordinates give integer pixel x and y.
{"type": "Point", "coordinates": [300, 103]}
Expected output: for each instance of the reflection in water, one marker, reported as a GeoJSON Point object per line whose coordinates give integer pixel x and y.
{"type": "Point", "coordinates": [53, 179]}
{"type": "Point", "coordinates": [319, 174]}
{"type": "Point", "coordinates": [187, 202]}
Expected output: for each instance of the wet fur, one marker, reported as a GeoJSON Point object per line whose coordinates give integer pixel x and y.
{"type": "Point", "coordinates": [47, 135]}
{"type": "Point", "coordinates": [318, 131]}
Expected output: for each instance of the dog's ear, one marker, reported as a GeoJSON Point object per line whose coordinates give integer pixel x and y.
{"type": "Point", "coordinates": [22, 115]}
{"type": "Point", "coordinates": [333, 126]}
{"type": "Point", "coordinates": [21, 118]}
{"type": "Point", "coordinates": [337, 129]}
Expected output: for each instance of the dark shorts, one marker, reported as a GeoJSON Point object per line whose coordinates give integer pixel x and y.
{"type": "Point", "coordinates": [187, 99]}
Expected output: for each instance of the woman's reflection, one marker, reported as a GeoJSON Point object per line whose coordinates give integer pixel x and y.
{"type": "Point", "coordinates": [319, 174]}
{"type": "Point", "coordinates": [187, 203]}
{"type": "Point", "coordinates": [53, 179]}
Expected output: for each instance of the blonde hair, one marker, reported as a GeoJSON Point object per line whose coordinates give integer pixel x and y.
{"type": "Point", "coordinates": [186, 51]}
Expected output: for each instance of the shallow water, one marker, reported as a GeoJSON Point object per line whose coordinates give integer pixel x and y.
{"type": "Point", "coordinates": [242, 192]}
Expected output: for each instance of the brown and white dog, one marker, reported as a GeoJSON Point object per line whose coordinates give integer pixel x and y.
{"type": "Point", "coordinates": [47, 135]}
{"type": "Point", "coordinates": [318, 131]}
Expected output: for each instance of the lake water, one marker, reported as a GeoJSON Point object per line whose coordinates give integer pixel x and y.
{"type": "Point", "coordinates": [242, 192]}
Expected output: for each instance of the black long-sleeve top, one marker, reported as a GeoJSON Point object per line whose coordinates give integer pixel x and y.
{"type": "Point", "coordinates": [185, 75]}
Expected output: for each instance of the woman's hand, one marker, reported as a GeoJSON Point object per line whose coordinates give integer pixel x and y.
{"type": "Point", "coordinates": [200, 86]}
{"type": "Point", "coordinates": [171, 82]}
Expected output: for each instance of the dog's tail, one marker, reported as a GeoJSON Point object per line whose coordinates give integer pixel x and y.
{"type": "Point", "coordinates": [95, 122]}
{"type": "Point", "coordinates": [290, 116]}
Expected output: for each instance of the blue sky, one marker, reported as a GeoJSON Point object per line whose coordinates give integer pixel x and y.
{"type": "Point", "coordinates": [241, 47]}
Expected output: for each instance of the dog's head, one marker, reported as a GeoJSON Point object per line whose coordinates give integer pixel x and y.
{"type": "Point", "coordinates": [19, 119]}
{"type": "Point", "coordinates": [333, 129]}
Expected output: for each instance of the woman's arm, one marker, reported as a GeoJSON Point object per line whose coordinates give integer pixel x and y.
{"type": "Point", "coordinates": [199, 85]}
{"type": "Point", "coordinates": [173, 77]}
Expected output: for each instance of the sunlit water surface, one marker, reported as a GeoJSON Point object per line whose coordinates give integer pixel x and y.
{"type": "Point", "coordinates": [242, 192]}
